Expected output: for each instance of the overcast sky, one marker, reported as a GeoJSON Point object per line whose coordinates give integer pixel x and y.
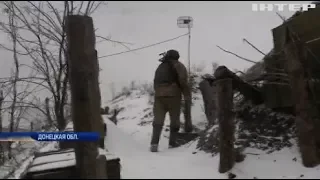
{"type": "Point", "coordinates": [215, 23]}
{"type": "Point", "coordinates": [143, 23]}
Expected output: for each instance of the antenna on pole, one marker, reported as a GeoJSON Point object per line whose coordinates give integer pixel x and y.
{"type": "Point", "coordinates": [186, 22]}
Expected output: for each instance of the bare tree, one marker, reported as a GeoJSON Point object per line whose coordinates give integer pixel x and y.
{"type": "Point", "coordinates": [12, 31]}
{"type": "Point", "coordinates": [49, 118]}
{"type": "Point", "coordinates": [40, 36]}
{"type": "Point", "coordinates": [1, 147]}
{"type": "Point", "coordinates": [1, 99]}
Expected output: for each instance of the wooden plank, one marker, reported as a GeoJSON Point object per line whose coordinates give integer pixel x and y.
{"type": "Point", "coordinates": [40, 154]}
{"type": "Point", "coordinates": [113, 169]}
{"type": "Point", "coordinates": [102, 167]}
{"type": "Point", "coordinates": [295, 53]}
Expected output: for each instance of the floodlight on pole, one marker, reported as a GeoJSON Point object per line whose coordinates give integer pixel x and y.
{"type": "Point", "coordinates": [186, 22]}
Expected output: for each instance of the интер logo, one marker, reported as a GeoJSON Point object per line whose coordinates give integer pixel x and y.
{"type": "Point", "coordinates": [282, 7]}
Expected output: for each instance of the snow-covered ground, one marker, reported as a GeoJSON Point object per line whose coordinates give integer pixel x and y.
{"type": "Point", "coordinates": [13, 169]}
{"type": "Point", "coordinates": [131, 137]}
{"type": "Point", "coordinates": [129, 140]}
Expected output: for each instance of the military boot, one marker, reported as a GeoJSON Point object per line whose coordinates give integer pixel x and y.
{"type": "Point", "coordinates": [173, 138]}
{"type": "Point", "coordinates": [155, 138]}
{"type": "Point", "coordinates": [188, 128]}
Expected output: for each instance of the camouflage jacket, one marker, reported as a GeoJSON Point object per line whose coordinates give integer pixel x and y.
{"type": "Point", "coordinates": [176, 88]}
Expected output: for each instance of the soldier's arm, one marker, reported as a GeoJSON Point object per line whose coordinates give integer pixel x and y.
{"type": "Point", "coordinates": [183, 80]}
{"type": "Point", "coordinates": [154, 81]}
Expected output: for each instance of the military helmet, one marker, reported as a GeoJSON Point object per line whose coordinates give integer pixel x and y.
{"type": "Point", "coordinates": [173, 54]}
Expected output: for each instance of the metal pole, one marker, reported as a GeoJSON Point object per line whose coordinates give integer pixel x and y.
{"type": "Point", "coordinates": [189, 64]}
{"type": "Point", "coordinates": [189, 30]}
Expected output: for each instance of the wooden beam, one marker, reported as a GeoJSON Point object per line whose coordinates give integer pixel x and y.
{"type": "Point", "coordinates": [226, 124]}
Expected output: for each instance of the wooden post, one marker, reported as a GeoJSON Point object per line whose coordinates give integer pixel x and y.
{"type": "Point", "coordinates": [247, 90]}
{"type": "Point", "coordinates": [226, 124]}
{"type": "Point", "coordinates": [296, 61]}
{"type": "Point", "coordinates": [85, 91]}
{"type": "Point", "coordinates": [102, 166]}
{"type": "Point", "coordinates": [209, 100]}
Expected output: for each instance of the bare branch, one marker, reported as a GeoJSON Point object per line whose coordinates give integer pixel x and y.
{"type": "Point", "coordinates": [97, 6]}
{"type": "Point", "coordinates": [245, 40]}
{"type": "Point", "coordinates": [26, 105]}
{"type": "Point", "coordinates": [71, 7]}
{"type": "Point", "coordinates": [313, 40]}
{"type": "Point", "coordinates": [79, 10]}
{"type": "Point", "coordinates": [40, 36]}
{"type": "Point", "coordinates": [87, 9]}
{"type": "Point", "coordinates": [248, 60]}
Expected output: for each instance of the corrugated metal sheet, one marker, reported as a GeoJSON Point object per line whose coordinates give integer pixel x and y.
{"type": "Point", "coordinates": [306, 25]}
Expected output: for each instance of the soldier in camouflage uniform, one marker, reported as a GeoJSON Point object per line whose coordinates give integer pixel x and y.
{"type": "Point", "coordinates": [170, 82]}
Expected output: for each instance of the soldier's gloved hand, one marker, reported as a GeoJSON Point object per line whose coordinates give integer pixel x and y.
{"type": "Point", "coordinates": [187, 116]}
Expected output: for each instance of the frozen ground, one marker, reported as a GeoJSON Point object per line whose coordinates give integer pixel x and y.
{"type": "Point", "coordinates": [130, 139]}
{"type": "Point", "coordinates": [14, 168]}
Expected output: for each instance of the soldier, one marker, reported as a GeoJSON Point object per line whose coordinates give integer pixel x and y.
{"type": "Point", "coordinates": [170, 82]}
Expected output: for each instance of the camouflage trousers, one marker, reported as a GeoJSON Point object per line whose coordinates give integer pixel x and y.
{"type": "Point", "coordinates": [162, 105]}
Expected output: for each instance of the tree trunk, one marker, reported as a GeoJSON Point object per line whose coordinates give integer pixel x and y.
{"type": "Point", "coordinates": [31, 126]}
{"type": "Point", "coordinates": [296, 60]}
{"type": "Point", "coordinates": [1, 146]}
{"type": "Point", "coordinates": [1, 100]}
{"type": "Point", "coordinates": [209, 100]}
{"type": "Point", "coordinates": [59, 115]}
{"type": "Point", "coordinates": [85, 92]}
{"type": "Point", "coordinates": [49, 119]}
{"type": "Point", "coordinates": [226, 124]}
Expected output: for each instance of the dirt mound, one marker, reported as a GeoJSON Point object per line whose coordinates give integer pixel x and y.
{"type": "Point", "coordinates": [256, 127]}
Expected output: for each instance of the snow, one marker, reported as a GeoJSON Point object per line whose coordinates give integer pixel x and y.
{"type": "Point", "coordinates": [59, 164]}
{"type": "Point", "coordinates": [138, 162]}
{"type": "Point", "coordinates": [65, 158]}
{"type": "Point", "coordinates": [284, 164]}
{"type": "Point", "coordinates": [129, 140]}
{"type": "Point", "coordinates": [15, 168]}
{"type": "Point", "coordinates": [62, 159]}
{"type": "Point", "coordinates": [22, 168]}
{"type": "Point", "coordinates": [136, 118]}
{"type": "Point", "coordinates": [69, 127]}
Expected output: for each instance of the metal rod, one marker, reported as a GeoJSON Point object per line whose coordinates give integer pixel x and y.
{"type": "Point", "coordinates": [189, 64]}
{"type": "Point", "coordinates": [189, 69]}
